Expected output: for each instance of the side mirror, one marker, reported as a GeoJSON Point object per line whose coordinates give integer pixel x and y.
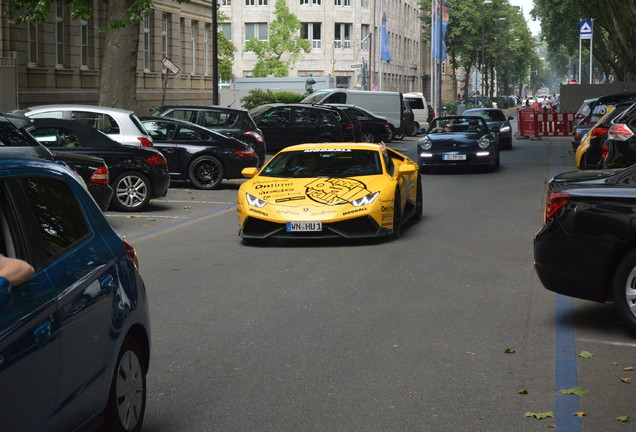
{"type": "Point", "coordinates": [249, 172]}
{"type": "Point", "coordinates": [407, 169]}
{"type": "Point", "coordinates": [511, 118]}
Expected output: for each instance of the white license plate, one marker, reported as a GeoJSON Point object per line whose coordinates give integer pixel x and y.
{"type": "Point", "coordinates": [453, 157]}
{"type": "Point", "coordinates": [304, 226]}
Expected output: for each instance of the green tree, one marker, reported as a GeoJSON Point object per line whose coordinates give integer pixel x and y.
{"type": "Point", "coordinates": [283, 47]}
{"type": "Point", "coordinates": [118, 79]}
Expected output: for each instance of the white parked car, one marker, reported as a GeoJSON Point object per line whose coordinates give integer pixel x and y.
{"type": "Point", "coordinates": [121, 125]}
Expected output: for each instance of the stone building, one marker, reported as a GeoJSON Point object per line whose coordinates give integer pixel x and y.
{"type": "Point", "coordinates": [59, 60]}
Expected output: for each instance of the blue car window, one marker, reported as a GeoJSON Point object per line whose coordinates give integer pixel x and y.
{"type": "Point", "coordinates": [57, 214]}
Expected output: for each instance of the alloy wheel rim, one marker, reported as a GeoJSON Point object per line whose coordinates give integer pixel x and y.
{"type": "Point", "coordinates": [206, 173]}
{"type": "Point", "coordinates": [131, 191]}
{"type": "Point", "coordinates": [630, 292]}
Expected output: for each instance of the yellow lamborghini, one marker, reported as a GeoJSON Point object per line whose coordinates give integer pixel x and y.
{"type": "Point", "coordinates": [330, 190]}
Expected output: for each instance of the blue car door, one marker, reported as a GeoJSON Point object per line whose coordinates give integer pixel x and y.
{"type": "Point", "coordinates": [29, 334]}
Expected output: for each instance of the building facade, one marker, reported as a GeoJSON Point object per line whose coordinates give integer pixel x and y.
{"type": "Point", "coordinates": [60, 59]}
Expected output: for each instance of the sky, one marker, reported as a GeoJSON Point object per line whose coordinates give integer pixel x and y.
{"type": "Point", "coordinates": [526, 5]}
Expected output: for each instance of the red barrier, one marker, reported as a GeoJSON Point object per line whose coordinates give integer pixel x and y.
{"type": "Point", "coordinates": [536, 123]}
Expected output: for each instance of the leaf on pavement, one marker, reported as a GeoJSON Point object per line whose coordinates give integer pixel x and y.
{"type": "Point", "coordinates": [523, 391]}
{"type": "Point", "coordinates": [626, 380]}
{"type": "Point", "coordinates": [623, 419]}
{"type": "Point", "coordinates": [579, 414]}
{"type": "Point", "coordinates": [575, 391]}
{"type": "Point", "coordinates": [540, 416]}
{"type": "Point", "coordinates": [586, 354]}
{"type": "Point", "coordinates": [613, 363]}
{"type": "Point", "coordinates": [510, 351]}
{"type": "Point", "coordinates": [629, 369]}
{"type": "Point", "coordinates": [187, 207]}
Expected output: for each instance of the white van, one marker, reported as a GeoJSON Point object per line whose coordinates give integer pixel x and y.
{"type": "Point", "coordinates": [419, 108]}
{"type": "Point", "coordinates": [381, 103]}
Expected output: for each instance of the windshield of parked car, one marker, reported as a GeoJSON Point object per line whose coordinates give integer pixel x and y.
{"type": "Point", "coordinates": [488, 115]}
{"type": "Point", "coordinates": [457, 125]}
{"type": "Point", "coordinates": [324, 163]}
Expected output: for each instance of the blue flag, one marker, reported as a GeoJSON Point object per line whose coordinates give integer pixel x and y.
{"type": "Point", "coordinates": [440, 23]}
{"type": "Point", "coordinates": [385, 52]}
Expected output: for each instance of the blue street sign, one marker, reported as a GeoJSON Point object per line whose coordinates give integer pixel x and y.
{"type": "Point", "coordinates": [585, 27]}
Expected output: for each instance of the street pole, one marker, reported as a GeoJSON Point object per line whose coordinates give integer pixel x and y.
{"type": "Point", "coordinates": [215, 54]}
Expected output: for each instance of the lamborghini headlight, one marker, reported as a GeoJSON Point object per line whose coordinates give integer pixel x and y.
{"type": "Point", "coordinates": [483, 142]}
{"type": "Point", "coordinates": [255, 202]}
{"type": "Point", "coordinates": [365, 200]}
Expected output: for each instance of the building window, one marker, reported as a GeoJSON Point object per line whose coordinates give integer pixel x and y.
{"type": "Point", "coordinates": [33, 38]}
{"type": "Point", "coordinates": [316, 2]}
{"type": "Point", "coordinates": [60, 39]}
{"type": "Point", "coordinates": [226, 3]}
{"type": "Point", "coordinates": [304, 2]}
{"type": "Point", "coordinates": [194, 27]}
{"type": "Point", "coordinates": [342, 37]}
{"type": "Point", "coordinates": [342, 2]}
{"type": "Point", "coordinates": [364, 4]}
{"type": "Point", "coordinates": [256, 30]}
{"type": "Point", "coordinates": [250, 2]}
{"type": "Point", "coordinates": [364, 33]}
{"type": "Point", "coordinates": [147, 28]}
{"type": "Point", "coordinates": [342, 82]}
{"type": "Point", "coordinates": [85, 45]}
{"type": "Point", "coordinates": [226, 29]}
{"type": "Point", "coordinates": [182, 40]}
{"type": "Point", "coordinates": [311, 32]}
{"type": "Point", "coordinates": [165, 34]}
{"type": "Point", "coordinates": [262, 2]}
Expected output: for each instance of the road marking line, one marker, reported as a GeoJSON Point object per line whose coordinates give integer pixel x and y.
{"type": "Point", "coordinates": [606, 342]}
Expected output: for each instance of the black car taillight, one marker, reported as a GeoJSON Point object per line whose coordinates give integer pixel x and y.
{"type": "Point", "coordinates": [257, 136]}
{"type": "Point", "coordinates": [145, 142]}
{"type": "Point", "coordinates": [598, 131]}
{"type": "Point", "coordinates": [100, 175]}
{"type": "Point", "coordinates": [246, 153]}
{"type": "Point", "coordinates": [604, 151]}
{"type": "Point", "coordinates": [157, 159]}
{"type": "Point", "coordinates": [132, 254]}
{"type": "Point", "coordinates": [554, 202]}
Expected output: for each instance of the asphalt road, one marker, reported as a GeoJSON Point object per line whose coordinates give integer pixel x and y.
{"type": "Point", "coordinates": [436, 331]}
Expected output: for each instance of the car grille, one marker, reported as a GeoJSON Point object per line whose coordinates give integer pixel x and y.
{"type": "Point", "coordinates": [360, 227]}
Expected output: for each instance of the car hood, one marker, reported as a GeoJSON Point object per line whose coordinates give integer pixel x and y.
{"type": "Point", "coordinates": [309, 198]}
{"type": "Point", "coordinates": [455, 140]}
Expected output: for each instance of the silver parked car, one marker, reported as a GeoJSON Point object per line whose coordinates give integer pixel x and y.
{"type": "Point", "coordinates": [121, 125]}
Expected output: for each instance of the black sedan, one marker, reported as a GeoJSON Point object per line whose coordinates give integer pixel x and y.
{"type": "Point", "coordinates": [136, 174]}
{"type": "Point", "coordinates": [458, 141]}
{"type": "Point", "coordinates": [587, 245]}
{"type": "Point", "coordinates": [495, 118]}
{"type": "Point", "coordinates": [197, 154]}
{"type": "Point", "coordinates": [373, 128]}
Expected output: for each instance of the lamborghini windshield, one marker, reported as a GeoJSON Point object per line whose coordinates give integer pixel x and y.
{"type": "Point", "coordinates": [324, 163]}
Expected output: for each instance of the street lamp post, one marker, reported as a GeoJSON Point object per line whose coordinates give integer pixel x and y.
{"type": "Point", "coordinates": [483, 38]}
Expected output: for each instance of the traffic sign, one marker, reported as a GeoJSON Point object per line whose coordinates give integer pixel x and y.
{"type": "Point", "coordinates": [585, 29]}
{"type": "Point", "coordinates": [170, 66]}
{"type": "Point", "coordinates": [357, 65]}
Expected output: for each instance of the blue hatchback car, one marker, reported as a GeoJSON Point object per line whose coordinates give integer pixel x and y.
{"type": "Point", "coordinates": [75, 339]}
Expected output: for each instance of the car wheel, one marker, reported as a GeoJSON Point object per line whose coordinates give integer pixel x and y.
{"type": "Point", "coordinates": [205, 172]}
{"type": "Point", "coordinates": [397, 215]}
{"type": "Point", "coordinates": [624, 291]}
{"type": "Point", "coordinates": [398, 135]}
{"type": "Point", "coordinates": [391, 134]}
{"type": "Point", "coordinates": [131, 191]}
{"type": "Point", "coordinates": [127, 398]}
{"type": "Point", "coordinates": [419, 204]}
{"type": "Point", "coordinates": [416, 127]}
{"type": "Point", "coordinates": [368, 137]}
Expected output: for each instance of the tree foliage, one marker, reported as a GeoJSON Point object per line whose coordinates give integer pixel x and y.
{"type": "Point", "coordinates": [614, 31]}
{"type": "Point", "coordinates": [283, 47]}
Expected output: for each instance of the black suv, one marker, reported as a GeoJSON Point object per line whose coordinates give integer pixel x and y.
{"type": "Point", "coordinates": [284, 125]}
{"type": "Point", "coordinates": [234, 122]}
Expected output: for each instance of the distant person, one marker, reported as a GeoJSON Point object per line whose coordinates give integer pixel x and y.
{"type": "Point", "coordinates": [14, 270]}
{"type": "Point", "coordinates": [309, 84]}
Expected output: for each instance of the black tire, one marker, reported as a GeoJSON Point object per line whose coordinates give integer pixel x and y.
{"type": "Point", "coordinates": [368, 137]}
{"type": "Point", "coordinates": [205, 172]}
{"type": "Point", "coordinates": [127, 398]}
{"type": "Point", "coordinates": [416, 127]}
{"type": "Point", "coordinates": [397, 215]}
{"type": "Point", "coordinates": [398, 135]}
{"type": "Point", "coordinates": [391, 136]}
{"type": "Point", "coordinates": [131, 191]}
{"type": "Point", "coordinates": [624, 291]}
{"type": "Point", "coordinates": [419, 201]}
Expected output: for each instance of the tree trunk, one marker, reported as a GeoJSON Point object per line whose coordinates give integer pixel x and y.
{"type": "Point", "coordinates": [118, 83]}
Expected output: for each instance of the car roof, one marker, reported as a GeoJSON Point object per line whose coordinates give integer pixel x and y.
{"type": "Point", "coordinates": [333, 146]}
{"type": "Point", "coordinates": [85, 132]}
{"type": "Point", "coordinates": [482, 109]}
{"type": "Point", "coordinates": [203, 107]}
{"type": "Point", "coordinates": [616, 96]}
{"type": "Point", "coordinates": [69, 107]}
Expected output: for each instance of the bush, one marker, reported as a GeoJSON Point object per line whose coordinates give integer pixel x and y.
{"type": "Point", "coordinates": [258, 97]}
